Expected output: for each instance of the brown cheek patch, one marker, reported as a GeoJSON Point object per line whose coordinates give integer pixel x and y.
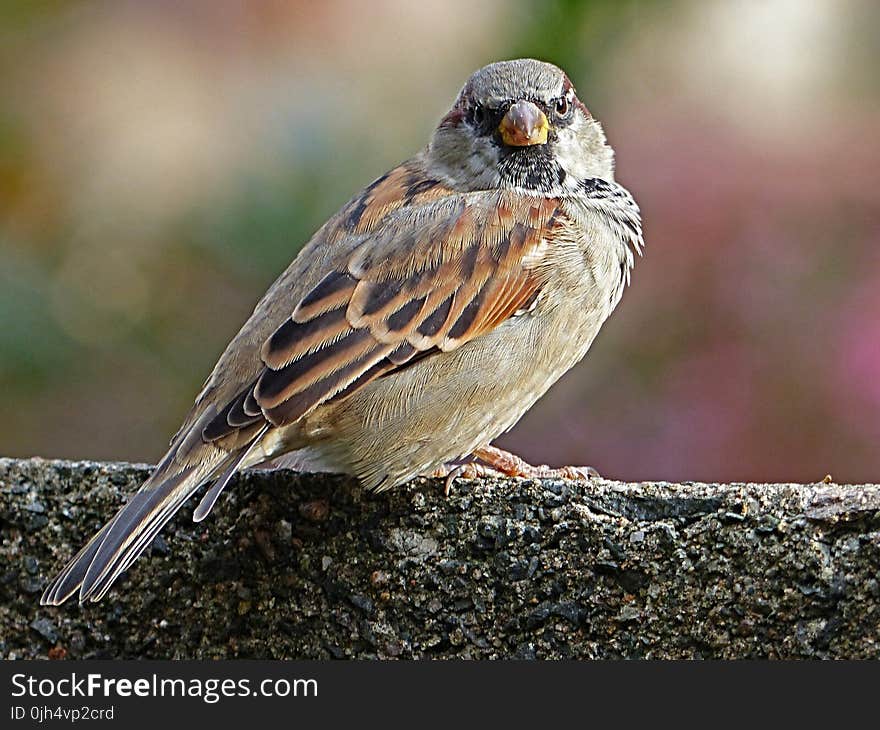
{"type": "Point", "coordinates": [452, 119]}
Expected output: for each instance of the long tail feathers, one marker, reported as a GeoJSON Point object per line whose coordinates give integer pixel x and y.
{"type": "Point", "coordinates": [207, 504]}
{"type": "Point", "coordinates": [121, 541]}
{"type": "Point", "coordinates": [69, 580]}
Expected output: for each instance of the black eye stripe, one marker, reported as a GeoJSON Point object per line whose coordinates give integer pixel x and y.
{"type": "Point", "coordinates": [485, 119]}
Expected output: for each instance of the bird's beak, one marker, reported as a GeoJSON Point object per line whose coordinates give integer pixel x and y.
{"type": "Point", "coordinates": [524, 125]}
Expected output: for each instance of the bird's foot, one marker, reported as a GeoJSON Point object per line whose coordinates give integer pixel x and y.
{"type": "Point", "coordinates": [470, 470]}
{"type": "Point", "coordinates": [499, 462]}
{"type": "Point", "coordinates": [513, 466]}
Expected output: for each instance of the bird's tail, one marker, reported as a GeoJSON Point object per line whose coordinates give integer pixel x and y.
{"type": "Point", "coordinates": [119, 543]}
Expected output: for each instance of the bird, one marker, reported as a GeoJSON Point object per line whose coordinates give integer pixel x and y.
{"type": "Point", "coordinates": [419, 323]}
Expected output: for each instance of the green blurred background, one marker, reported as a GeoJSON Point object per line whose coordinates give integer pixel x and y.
{"type": "Point", "coordinates": [161, 162]}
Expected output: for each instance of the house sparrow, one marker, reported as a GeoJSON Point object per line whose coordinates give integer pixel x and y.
{"type": "Point", "coordinates": [419, 323]}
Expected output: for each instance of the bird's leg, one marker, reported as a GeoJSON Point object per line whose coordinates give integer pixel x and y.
{"type": "Point", "coordinates": [513, 466]}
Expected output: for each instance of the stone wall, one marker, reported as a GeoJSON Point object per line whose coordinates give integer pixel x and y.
{"type": "Point", "coordinates": [309, 566]}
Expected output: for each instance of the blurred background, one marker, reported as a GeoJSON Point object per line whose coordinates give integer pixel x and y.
{"type": "Point", "coordinates": [161, 163]}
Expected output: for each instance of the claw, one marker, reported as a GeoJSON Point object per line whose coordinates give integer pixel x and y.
{"type": "Point", "coordinates": [450, 478]}
{"type": "Point", "coordinates": [578, 472]}
{"type": "Point", "coordinates": [470, 470]}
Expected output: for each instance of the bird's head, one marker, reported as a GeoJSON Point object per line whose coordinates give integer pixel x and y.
{"type": "Point", "coordinates": [519, 124]}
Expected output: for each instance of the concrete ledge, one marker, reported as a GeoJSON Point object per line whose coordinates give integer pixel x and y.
{"type": "Point", "coordinates": [309, 566]}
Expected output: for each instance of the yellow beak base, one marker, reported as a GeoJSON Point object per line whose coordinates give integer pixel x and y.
{"type": "Point", "coordinates": [524, 125]}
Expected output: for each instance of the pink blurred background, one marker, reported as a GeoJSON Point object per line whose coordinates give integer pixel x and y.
{"type": "Point", "coordinates": [161, 163]}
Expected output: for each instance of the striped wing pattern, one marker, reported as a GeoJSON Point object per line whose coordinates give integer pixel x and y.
{"type": "Point", "coordinates": [413, 292]}
{"type": "Point", "coordinates": [432, 271]}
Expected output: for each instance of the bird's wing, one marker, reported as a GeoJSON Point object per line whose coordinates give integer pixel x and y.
{"type": "Point", "coordinates": [417, 274]}
{"type": "Point", "coordinates": [430, 281]}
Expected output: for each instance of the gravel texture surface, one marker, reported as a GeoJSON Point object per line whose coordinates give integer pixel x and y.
{"type": "Point", "coordinates": [309, 566]}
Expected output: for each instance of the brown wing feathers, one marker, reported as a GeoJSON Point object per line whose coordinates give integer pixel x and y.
{"type": "Point", "coordinates": [401, 187]}
{"type": "Point", "coordinates": [443, 270]}
{"type": "Point", "coordinates": [383, 311]}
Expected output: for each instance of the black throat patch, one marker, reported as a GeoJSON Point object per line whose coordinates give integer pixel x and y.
{"type": "Point", "coordinates": [533, 168]}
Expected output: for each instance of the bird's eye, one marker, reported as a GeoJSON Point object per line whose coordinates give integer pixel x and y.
{"type": "Point", "coordinates": [478, 113]}
{"type": "Point", "coordinates": [563, 106]}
